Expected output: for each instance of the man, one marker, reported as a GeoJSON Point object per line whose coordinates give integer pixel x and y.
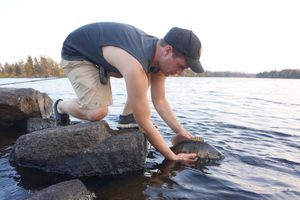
{"type": "Point", "coordinates": [121, 50]}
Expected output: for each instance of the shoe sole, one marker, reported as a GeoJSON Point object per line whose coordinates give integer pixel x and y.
{"type": "Point", "coordinates": [120, 126]}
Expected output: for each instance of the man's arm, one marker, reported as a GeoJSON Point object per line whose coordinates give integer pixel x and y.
{"type": "Point", "coordinates": [137, 85]}
{"type": "Point", "coordinates": [163, 107]}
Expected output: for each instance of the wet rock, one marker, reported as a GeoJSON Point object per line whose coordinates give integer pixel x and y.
{"type": "Point", "coordinates": [18, 104]}
{"type": "Point", "coordinates": [37, 123]}
{"type": "Point", "coordinates": [67, 190]}
{"type": "Point", "coordinates": [84, 149]}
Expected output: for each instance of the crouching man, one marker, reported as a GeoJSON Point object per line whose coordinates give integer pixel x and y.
{"type": "Point", "coordinates": [121, 50]}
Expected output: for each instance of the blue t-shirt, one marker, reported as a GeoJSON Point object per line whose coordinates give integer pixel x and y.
{"type": "Point", "coordinates": [85, 44]}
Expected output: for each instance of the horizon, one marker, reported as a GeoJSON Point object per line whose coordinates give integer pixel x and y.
{"type": "Point", "coordinates": [222, 71]}
{"type": "Point", "coordinates": [23, 62]}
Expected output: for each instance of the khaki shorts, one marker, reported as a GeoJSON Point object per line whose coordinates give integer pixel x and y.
{"type": "Point", "coordinates": [84, 77]}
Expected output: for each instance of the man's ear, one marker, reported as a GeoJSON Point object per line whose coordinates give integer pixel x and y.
{"type": "Point", "coordinates": [168, 49]}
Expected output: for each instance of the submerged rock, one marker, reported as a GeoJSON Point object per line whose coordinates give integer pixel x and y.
{"type": "Point", "coordinates": [67, 190]}
{"type": "Point", "coordinates": [84, 149]}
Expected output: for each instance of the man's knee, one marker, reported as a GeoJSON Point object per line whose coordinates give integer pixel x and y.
{"type": "Point", "coordinates": [98, 114]}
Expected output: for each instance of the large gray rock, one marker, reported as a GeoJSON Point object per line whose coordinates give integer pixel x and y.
{"type": "Point", "coordinates": [84, 149]}
{"type": "Point", "coordinates": [22, 103]}
{"type": "Point", "coordinates": [67, 190]}
{"type": "Point", "coordinates": [37, 123]}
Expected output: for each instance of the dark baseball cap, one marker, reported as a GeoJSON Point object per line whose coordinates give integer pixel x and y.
{"type": "Point", "coordinates": [188, 44]}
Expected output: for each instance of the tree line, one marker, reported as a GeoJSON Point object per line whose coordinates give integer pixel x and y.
{"type": "Point", "coordinates": [189, 73]}
{"type": "Point", "coordinates": [286, 73]}
{"type": "Point", "coordinates": [47, 67]}
{"type": "Point", "coordinates": [32, 68]}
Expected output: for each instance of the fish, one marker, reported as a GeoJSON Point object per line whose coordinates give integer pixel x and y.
{"type": "Point", "coordinates": [204, 151]}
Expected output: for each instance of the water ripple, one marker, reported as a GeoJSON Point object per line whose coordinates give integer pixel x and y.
{"type": "Point", "coordinates": [253, 122]}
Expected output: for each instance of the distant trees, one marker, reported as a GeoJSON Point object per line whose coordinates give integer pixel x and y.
{"type": "Point", "coordinates": [32, 68]}
{"type": "Point", "coordinates": [229, 74]}
{"type": "Point", "coordinates": [189, 73]}
{"type": "Point", "coordinates": [47, 67]}
{"type": "Point", "coordinates": [286, 73]}
{"type": "Point", "coordinates": [28, 67]}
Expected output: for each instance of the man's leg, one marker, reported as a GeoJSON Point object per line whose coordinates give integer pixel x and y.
{"type": "Point", "coordinates": [127, 109]}
{"type": "Point", "coordinates": [72, 108]}
{"type": "Point", "coordinates": [126, 119]}
{"type": "Point", "coordinates": [93, 98]}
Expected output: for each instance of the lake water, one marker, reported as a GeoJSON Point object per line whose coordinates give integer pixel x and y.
{"type": "Point", "coordinates": [255, 123]}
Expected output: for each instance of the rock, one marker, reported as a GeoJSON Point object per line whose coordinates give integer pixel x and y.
{"type": "Point", "coordinates": [67, 190]}
{"type": "Point", "coordinates": [18, 104]}
{"type": "Point", "coordinates": [37, 123]}
{"type": "Point", "coordinates": [84, 149]}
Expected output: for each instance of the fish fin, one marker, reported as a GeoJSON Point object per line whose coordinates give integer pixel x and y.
{"type": "Point", "coordinates": [197, 139]}
{"type": "Point", "coordinates": [177, 139]}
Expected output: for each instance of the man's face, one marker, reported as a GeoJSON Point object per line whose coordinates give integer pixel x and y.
{"type": "Point", "coordinates": [170, 65]}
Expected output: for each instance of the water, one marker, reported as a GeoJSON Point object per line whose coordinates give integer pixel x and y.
{"type": "Point", "coordinates": [254, 122]}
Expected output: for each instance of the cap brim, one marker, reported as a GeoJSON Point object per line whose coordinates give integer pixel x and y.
{"type": "Point", "coordinates": [195, 65]}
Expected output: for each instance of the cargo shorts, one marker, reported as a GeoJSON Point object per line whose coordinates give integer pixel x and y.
{"type": "Point", "coordinates": [85, 80]}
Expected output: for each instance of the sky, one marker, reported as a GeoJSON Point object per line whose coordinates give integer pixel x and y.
{"type": "Point", "coordinates": [248, 36]}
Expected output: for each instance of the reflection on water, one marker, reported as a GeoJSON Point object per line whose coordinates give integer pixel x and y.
{"type": "Point", "coordinates": [253, 122]}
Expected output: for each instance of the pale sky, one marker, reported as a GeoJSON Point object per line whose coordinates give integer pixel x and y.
{"type": "Point", "coordinates": [237, 35]}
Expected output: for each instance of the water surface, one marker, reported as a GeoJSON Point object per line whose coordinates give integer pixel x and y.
{"type": "Point", "coordinates": [254, 122]}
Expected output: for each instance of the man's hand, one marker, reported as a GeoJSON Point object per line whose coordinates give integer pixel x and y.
{"type": "Point", "coordinates": [184, 134]}
{"type": "Point", "coordinates": [180, 136]}
{"type": "Point", "coordinates": [186, 158]}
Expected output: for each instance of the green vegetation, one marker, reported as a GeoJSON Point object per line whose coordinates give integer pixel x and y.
{"type": "Point", "coordinates": [47, 67]}
{"type": "Point", "coordinates": [286, 73]}
{"type": "Point", "coordinates": [32, 68]}
{"type": "Point", "coordinates": [190, 73]}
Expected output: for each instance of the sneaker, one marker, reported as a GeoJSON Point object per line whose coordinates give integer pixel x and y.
{"type": "Point", "coordinates": [60, 119]}
{"type": "Point", "coordinates": [127, 121]}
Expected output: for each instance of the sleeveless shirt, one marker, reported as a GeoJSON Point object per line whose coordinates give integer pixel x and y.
{"type": "Point", "coordinates": [85, 44]}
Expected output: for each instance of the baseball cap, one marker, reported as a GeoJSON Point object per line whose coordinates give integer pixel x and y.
{"type": "Point", "coordinates": [188, 44]}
